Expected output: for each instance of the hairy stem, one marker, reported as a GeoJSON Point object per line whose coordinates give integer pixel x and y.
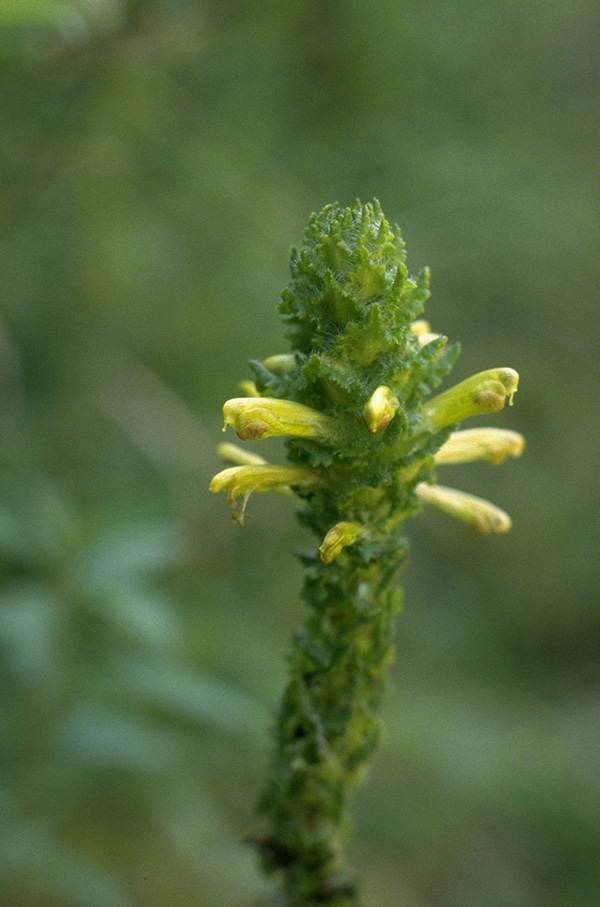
{"type": "Point", "coordinates": [327, 726]}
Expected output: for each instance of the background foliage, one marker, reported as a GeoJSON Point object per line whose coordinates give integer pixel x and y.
{"type": "Point", "coordinates": [157, 161]}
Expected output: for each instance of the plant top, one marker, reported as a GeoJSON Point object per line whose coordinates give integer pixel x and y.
{"type": "Point", "coordinates": [354, 395]}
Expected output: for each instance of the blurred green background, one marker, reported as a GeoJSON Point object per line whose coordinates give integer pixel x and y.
{"type": "Point", "coordinates": [157, 161]}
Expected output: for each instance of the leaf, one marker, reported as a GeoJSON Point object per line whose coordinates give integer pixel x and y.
{"type": "Point", "coordinates": [98, 735]}
{"type": "Point", "coordinates": [187, 693]}
{"type": "Point", "coordinates": [29, 619]}
{"type": "Point", "coordinates": [128, 553]}
{"type": "Point", "coordinates": [31, 856]}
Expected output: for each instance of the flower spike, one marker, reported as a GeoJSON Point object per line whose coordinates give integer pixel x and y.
{"type": "Point", "coordinates": [361, 355]}
{"type": "Point", "coordinates": [266, 417]}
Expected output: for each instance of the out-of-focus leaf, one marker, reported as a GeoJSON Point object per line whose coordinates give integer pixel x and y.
{"type": "Point", "coordinates": [29, 632]}
{"type": "Point", "coordinates": [73, 20]}
{"type": "Point", "coordinates": [15, 544]}
{"type": "Point", "coordinates": [127, 553]}
{"type": "Point", "coordinates": [30, 856]}
{"type": "Point", "coordinates": [42, 11]}
{"type": "Point", "coordinates": [187, 693]}
{"type": "Point", "coordinates": [143, 613]}
{"type": "Point", "coordinates": [37, 524]}
{"type": "Point", "coordinates": [198, 829]}
{"type": "Point", "coordinates": [99, 736]}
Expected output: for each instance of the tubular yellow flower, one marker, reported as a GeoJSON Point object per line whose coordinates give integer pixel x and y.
{"type": "Point", "coordinates": [241, 481]}
{"type": "Point", "coordinates": [423, 331]}
{"type": "Point", "coordinates": [248, 389]}
{"type": "Point", "coordinates": [339, 536]}
{"type": "Point", "coordinates": [280, 363]}
{"type": "Point", "coordinates": [266, 417]}
{"type": "Point", "coordinates": [491, 444]}
{"type": "Point", "coordinates": [481, 515]}
{"type": "Point", "coordinates": [485, 392]}
{"type": "Point", "coordinates": [380, 409]}
{"type": "Point", "coordinates": [238, 456]}
{"type": "Point", "coordinates": [420, 326]}
{"type": "Point", "coordinates": [237, 480]}
{"type": "Point", "coordinates": [427, 338]}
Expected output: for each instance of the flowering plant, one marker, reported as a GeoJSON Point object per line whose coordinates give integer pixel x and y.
{"type": "Point", "coordinates": [364, 438]}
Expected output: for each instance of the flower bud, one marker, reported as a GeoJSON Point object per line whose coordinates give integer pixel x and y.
{"type": "Point", "coordinates": [266, 417]}
{"type": "Point", "coordinates": [481, 515]}
{"type": "Point", "coordinates": [380, 409]}
{"type": "Point", "coordinates": [491, 444]}
{"type": "Point", "coordinates": [339, 536]}
{"type": "Point", "coordinates": [485, 392]}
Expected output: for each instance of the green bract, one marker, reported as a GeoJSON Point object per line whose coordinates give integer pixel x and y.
{"type": "Point", "coordinates": [353, 400]}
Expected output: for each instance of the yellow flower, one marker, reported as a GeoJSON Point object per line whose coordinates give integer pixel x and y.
{"type": "Point", "coordinates": [241, 481]}
{"type": "Point", "coordinates": [266, 417]}
{"type": "Point", "coordinates": [491, 444]}
{"type": "Point", "coordinates": [422, 329]}
{"type": "Point", "coordinates": [248, 389]}
{"type": "Point", "coordinates": [482, 516]}
{"type": "Point", "coordinates": [485, 392]}
{"type": "Point", "coordinates": [339, 536]}
{"type": "Point", "coordinates": [281, 363]}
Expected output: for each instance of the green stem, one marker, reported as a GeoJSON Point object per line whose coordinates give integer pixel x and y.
{"type": "Point", "coordinates": [328, 726]}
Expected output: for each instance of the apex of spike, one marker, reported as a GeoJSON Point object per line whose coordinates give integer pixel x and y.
{"type": "Point", "coordinates": [363, 353]}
